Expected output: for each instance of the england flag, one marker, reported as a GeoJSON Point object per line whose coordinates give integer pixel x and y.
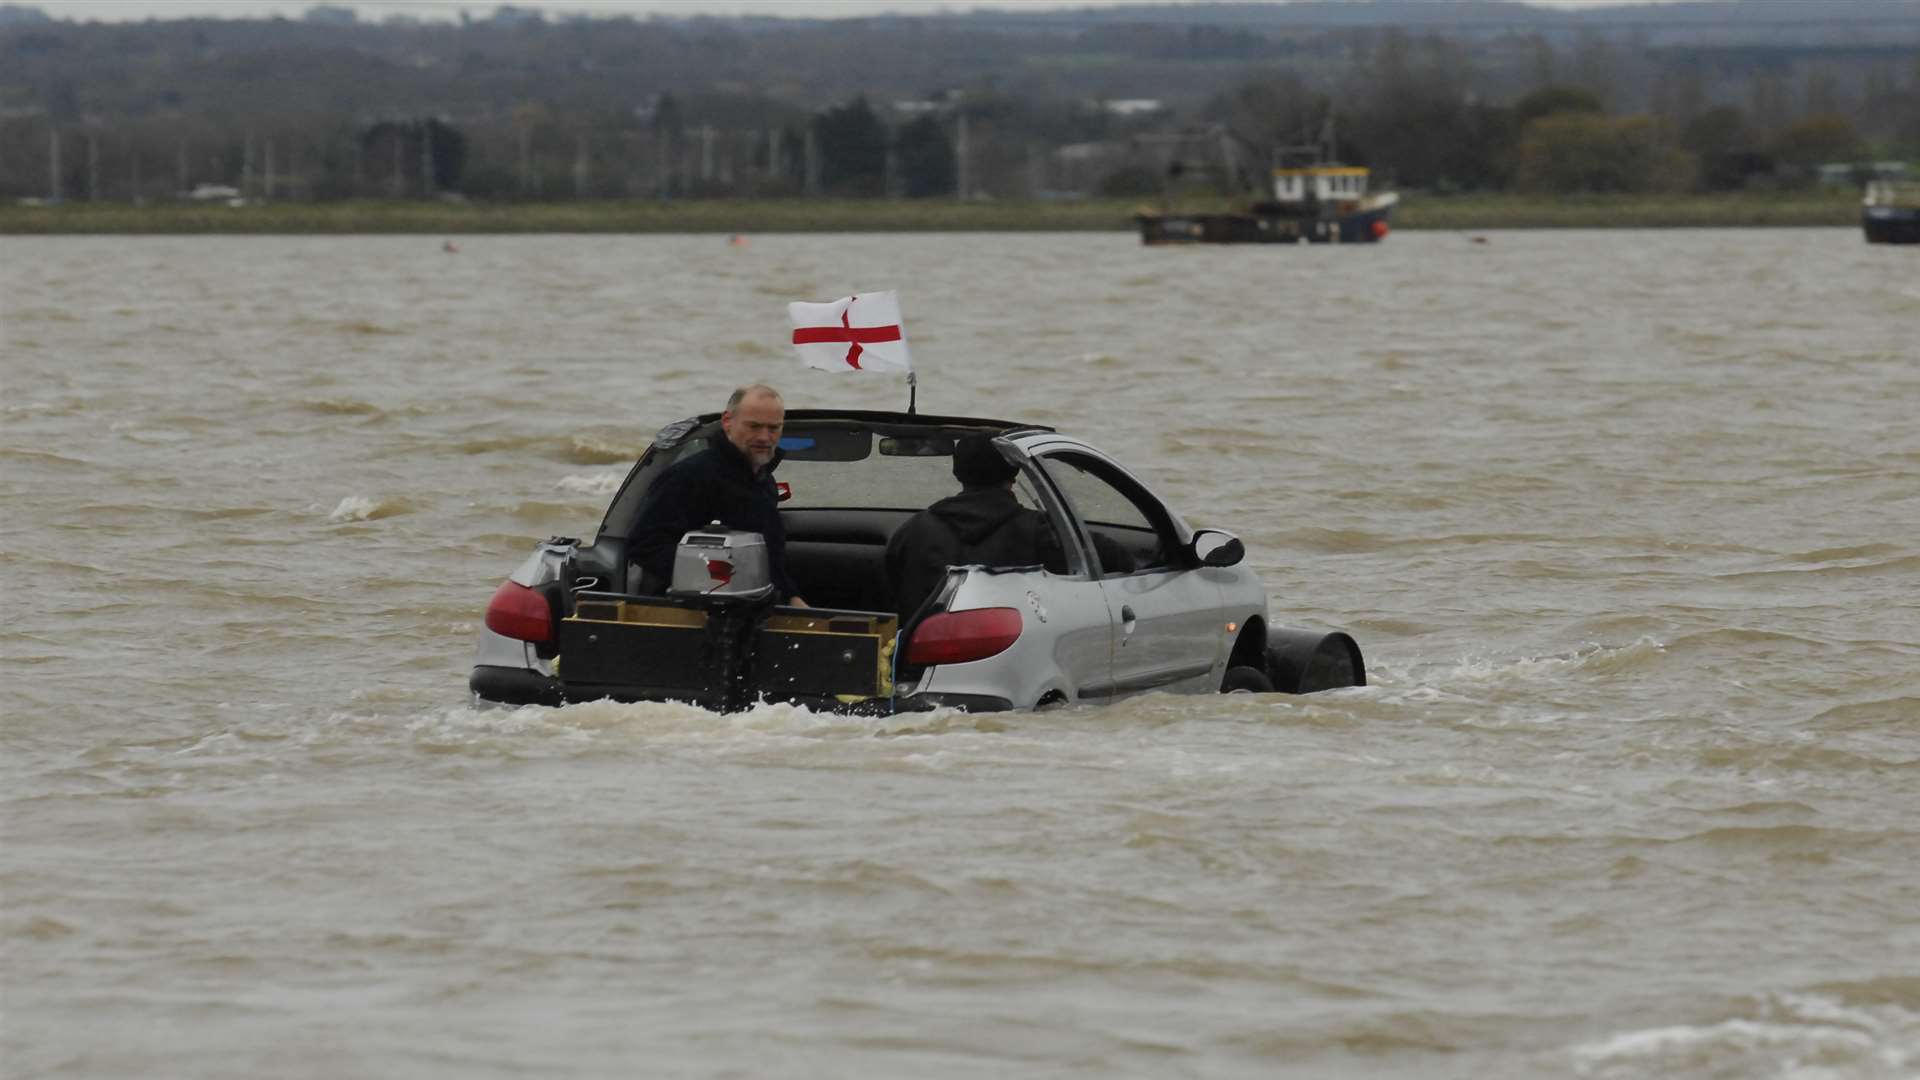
{"type": "Point", "coordinates": [854, 333]}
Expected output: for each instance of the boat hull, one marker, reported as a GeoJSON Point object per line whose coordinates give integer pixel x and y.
{"type": "Point", "coordinates": [1891, 224]}
{"type": "Point", "coordinates": [1362, 227]}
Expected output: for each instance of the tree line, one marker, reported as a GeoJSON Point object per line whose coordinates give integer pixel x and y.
{"type": "Point", "coordinates": [513, 107]}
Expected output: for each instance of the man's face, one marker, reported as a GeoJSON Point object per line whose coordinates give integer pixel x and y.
{"type": "Point", "coordinates": [754, 427]}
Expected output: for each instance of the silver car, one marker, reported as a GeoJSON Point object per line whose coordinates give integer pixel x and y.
{"type": "Point", "coordinates": [1186, 616]}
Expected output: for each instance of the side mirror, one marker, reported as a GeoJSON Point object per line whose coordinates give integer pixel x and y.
{"type": "Point", "coordinates": [1213, 547]}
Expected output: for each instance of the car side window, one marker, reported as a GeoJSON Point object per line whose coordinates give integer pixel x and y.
{"type": "Point", "coordinates": [1130, 530]}
{"type": "Point", "coordinates": [1023, 494]}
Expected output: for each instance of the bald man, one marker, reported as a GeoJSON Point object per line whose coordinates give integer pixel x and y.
{"type": "Point", "coordinates": [731, 481]}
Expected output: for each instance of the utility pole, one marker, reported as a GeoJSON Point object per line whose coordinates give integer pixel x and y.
{"type": "Point", "coordinates": [706, 153]}
{"type": "Point", "coordinates": [426, 159]}
{"type": "Point", "coordinates": [93, 167]}
{"type": "Point", "coordinates": [580, 168]}
{"type": "Point", "coordinates": [526, 160]}
{"type": "Point", "coordinates": [181, 165]}
{"type": "Point", "coordinates": [662, 164]}
{"type": "Point", "coordinates": [960, 154]}
{"type": "Point", "coordinates": [813, 162]}
{"type": "Point", "coordinates": [246, 166]}
{"type": "Point", "coordinates": [267, 186]}
{"type": "Point", "coordinates": [53, 163]}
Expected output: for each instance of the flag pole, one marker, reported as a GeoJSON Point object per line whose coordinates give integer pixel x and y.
{"type": "Point", "coordinates": [913, 389]}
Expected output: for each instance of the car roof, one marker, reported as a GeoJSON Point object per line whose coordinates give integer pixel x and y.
{"type": "Point", "coordinates": [675, 433]}
{"type": "Point", "coordinates": [887, 416]}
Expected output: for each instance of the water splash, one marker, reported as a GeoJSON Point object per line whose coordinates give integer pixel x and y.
{"type": "Point", "coordinates": [1797, 1036]}
{"type": "Point", "coordinates": [602, 483]}
{"type": "Point", "coordinates": [369, 508]}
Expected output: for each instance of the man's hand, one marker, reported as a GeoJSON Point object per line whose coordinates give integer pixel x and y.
{"type": "Point", "coordinates": [794, 601]}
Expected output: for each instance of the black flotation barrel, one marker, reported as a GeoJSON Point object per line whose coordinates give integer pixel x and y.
{"type": "Point", "coordinates": [1303, 661]}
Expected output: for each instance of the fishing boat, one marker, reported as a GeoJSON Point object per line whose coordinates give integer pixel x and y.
{"type": "Point", "coordinates": [1890, 212]}
{"type": "Point", "coordinates": [1312, 200]}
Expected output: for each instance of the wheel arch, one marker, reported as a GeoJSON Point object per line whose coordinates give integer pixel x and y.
{"type": "Point", "coordinates": [1250, 647]}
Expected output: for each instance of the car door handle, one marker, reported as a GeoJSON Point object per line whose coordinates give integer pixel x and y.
{"type": "Point", "coordinates": [1127, 622]}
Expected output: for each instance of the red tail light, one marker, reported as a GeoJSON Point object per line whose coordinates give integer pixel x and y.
{"type": "Point", "coordinates": [955, 637]}
{"type": "Point", "coordinates": [518, 612]}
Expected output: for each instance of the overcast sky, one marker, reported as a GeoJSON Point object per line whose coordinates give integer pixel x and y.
{"type": "Point", "coordinates": [449, 9]}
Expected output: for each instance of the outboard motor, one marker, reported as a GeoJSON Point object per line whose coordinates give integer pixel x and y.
{"type": "Point", "coordinates": [717, 638]}
{"type": "Point", "coordinates": [725, 572]}
{"type": "Point", "coordinates": [722, 564]}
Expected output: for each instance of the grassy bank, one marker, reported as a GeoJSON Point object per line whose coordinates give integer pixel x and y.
{"type": "Point", "coordinates": [1793, 210]}
{"type": "Point", "coordinates": [1415, 212]}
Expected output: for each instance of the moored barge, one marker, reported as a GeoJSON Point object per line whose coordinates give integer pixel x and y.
{"type": "Point", "coordinates": [1314, 203]}
{"type": "Point", "coordinates": [1890, 213]}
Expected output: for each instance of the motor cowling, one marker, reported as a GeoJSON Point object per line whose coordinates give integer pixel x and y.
{"type": "Point", "coordinates": [719, 563]}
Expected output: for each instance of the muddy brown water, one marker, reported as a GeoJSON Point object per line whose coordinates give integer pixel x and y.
{"type": "Point", "coordinates": [1625, 522]}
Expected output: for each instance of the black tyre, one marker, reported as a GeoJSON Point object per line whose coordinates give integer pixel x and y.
{"type": "Point", "coordinates": [1246, 680]}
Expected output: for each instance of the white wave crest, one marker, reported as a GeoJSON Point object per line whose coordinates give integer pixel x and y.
{"type": "Point", "coordinates": [765, 726]}
{"type": "Point", "coordinates": [367, 508]}
{"type": "Point", "coordinates": [463, 728]}
{"type": "Point", "coordinates": [600, 483]}
{"type": "Point", "coordinates": [1595, 658]}
{"type": "Point", "coordinates": [1802, 1037]}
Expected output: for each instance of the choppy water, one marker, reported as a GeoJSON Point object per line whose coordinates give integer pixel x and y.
{"type": "Point", "coordinates": [1626, 523]}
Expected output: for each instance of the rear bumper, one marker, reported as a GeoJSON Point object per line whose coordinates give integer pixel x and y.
{"type": "Point", "coordinates": [967, 702]}
{"type": "Point", "coordinates": [523, 686]}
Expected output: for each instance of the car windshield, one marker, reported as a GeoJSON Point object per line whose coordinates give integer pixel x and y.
{"type": "Point", "coordinates": [878, 483]}
{"type": "Point", "coordinates": [840, 467]}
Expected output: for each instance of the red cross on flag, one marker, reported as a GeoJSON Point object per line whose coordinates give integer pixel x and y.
{"type": "Point", "coordinates": [854, 333]}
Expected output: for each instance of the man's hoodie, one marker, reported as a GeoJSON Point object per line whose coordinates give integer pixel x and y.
{"type": "Point", "coordinates": [980, 526]}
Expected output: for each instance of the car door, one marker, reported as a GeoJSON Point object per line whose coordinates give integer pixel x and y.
{"type": "Point", "coordinates": [1072, 606]}
{"type": "Point", "coordinates": [1068, 638]}
{"type": "Point", "coordinates": [1169, 631]}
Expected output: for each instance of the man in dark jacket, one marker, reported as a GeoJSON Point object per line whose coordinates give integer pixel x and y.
{"type": "Point", "coordinates": [731, 481]}
{"type": "Point", "coordinates": [983, 525]}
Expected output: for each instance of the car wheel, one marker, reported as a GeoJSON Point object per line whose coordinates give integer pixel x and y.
{"type": "Point", "coordinates": [1246, 680]}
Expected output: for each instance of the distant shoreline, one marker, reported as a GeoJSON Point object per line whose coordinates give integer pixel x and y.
{"type": "Point", "coordinates": [1831, 208]}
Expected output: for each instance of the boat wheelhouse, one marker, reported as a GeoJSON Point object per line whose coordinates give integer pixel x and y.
{"type": "Point", "coordinates": [1312, 200]}
{"type": "Point", "coordinates": [1327, 183]}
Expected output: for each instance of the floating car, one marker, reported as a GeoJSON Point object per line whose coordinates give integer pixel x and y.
{"type": "Point", "coordinates": [1168, 607]}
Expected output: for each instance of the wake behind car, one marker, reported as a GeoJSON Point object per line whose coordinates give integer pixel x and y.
{"type": "Point", "coordinates": [1143, 601]}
